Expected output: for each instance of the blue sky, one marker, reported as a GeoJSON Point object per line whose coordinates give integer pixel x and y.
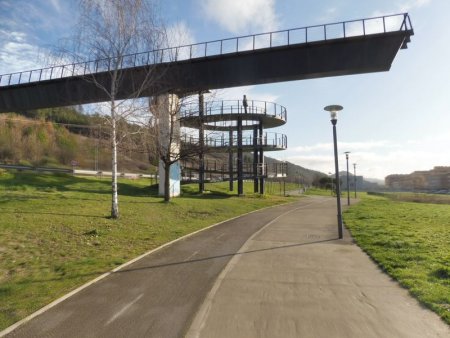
{"type": "Point", "coordinates": [392, 122]}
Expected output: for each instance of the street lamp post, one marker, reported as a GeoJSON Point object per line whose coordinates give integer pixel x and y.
{"type": "Point", "coordinates": [333, 109]}
{"type": "Point", "coordinates": [348, 181]}
{"type": "Point", "coordinates": [354, 176]}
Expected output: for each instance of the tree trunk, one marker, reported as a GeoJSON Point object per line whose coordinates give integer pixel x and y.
{"type": "Point", "coordinates": [115, 199]}
{"type": "Point", "coordinates": [166, 182]}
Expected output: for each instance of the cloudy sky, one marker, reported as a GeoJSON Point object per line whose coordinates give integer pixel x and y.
{"type": "Point", "coordinates": [392, 122]}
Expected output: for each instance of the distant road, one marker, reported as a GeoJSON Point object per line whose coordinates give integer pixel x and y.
{"type": "Point", "coordinates": [74, 171]}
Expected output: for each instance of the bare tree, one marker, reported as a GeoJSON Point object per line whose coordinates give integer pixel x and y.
{"type": "Point", "coordinates": [112, 31]}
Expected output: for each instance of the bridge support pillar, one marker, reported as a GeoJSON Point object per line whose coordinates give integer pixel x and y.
{"type": "Point", "coordinates": [165, 109]}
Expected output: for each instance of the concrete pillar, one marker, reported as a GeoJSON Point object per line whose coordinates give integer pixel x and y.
{"type": "Point", "coordinates": [166, 110]}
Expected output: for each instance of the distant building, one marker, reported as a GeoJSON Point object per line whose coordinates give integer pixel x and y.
{"type": "Point", "coordinates": [432, 180]}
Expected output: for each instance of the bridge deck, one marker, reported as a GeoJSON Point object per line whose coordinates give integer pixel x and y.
{"type": "Point", "coordinates": [345, 48]}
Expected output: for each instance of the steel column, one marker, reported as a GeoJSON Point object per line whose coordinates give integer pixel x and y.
{"type": "Point", "coordinates": [261, 159]}
{"type": "Point", "coordinates": [338, 188]}
{"type": "Point", "coordinates": [201, 140]}
{"type": "Point", "coordinates": [255, 159]}
{"type": "Point", "coordinates": [230, 161]}
{"type": "Point", "coordinates": [240, 157]}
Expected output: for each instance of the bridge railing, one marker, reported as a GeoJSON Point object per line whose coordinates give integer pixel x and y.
{"type": "Point", "coordinates": [304, 35]}
{"type": "Point", "coordinates": [268, 140]}
{"type": "Point", "coordinates": [226, 107]}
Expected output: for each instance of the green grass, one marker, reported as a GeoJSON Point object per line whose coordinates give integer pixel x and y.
{"type": "Point", "coordinates": [319, 192]}
{"type": "Point", "coordinates": [416, 197]}
{"type": "Point", "coordinates": [55, 233]}
{"type": "Point", "coordinates": [411, 242]}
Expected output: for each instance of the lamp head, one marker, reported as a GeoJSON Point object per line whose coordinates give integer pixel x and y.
{"type": "Point", "coordinates": [333, 109]}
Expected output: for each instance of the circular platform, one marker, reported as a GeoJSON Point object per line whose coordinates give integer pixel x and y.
{"type": "Point", "coordinates": [223, 115]}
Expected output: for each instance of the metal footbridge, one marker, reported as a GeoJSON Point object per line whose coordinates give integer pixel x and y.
{"type": "Point", "coordinates": [342, 48]}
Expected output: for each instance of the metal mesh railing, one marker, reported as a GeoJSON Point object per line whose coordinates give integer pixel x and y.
{"type": "Point", "coordinates": [268, 140]}
{"type": "Point", "coordinates": [304, 35]}
{"type": "Point", "coordinates": [235, 107]}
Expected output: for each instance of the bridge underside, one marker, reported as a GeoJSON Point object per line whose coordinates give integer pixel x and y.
{"type": "Point", "coordinates": [346, 56]}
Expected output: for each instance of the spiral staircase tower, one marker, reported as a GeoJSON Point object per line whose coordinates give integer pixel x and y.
{"type": "Point", "coordinates": [235, 127]}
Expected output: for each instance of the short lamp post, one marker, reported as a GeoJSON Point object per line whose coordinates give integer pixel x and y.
{"type": "Point", "coordinates": [354, 176]}
{"type": "Point", "coordinates": [334, 109]}
{"type": "Point", "coordinates": [332, 184]}
{"type": "Point", "coordinates": [348, 180]}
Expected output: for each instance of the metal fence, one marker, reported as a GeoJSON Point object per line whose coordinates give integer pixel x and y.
{"type": "Point", "coordinates": [235, 107]}
{"type": "Point", "coordinates": [268, 140]}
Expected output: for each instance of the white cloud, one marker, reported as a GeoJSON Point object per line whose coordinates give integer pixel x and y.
{"type": "Point", "coordinates": [56, 4]}
{"type": "Point", "coordinates": [242, 17]}
{"type": "Point", "coordinates": [355, 146]}
{"type": "Point", "coordinates": [329, 14]}
{"type": "Point", "coordinates": [17, 54]}
{"type": "Point", "coordinates": [237, 93]}
{"type": "Point", "coordinates": [179, 34]}
{"type": "Point", "coordinates": [406, 6]}
{"type": "Point", "coordinates": [375, 159]}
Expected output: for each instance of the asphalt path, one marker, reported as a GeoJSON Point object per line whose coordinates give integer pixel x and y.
{"type": "Point", "coordinates": [278, 272]}
{"type": "Point", "coordinates": [156, 296]}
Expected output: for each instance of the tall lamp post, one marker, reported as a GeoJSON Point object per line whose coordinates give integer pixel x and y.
{"type": "Point", "coordinates": [354, 176]}
{"type": "Point", "coordinates": [333, 109]}
{"type": "Point", "coordinates": [348, 181]}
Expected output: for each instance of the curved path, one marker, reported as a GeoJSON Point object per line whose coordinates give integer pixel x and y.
{"type": "Point", "coordinates": [279, 272]}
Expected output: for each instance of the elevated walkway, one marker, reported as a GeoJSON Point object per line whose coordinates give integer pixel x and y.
{"type": "Point", "coordinates": [342, 48]}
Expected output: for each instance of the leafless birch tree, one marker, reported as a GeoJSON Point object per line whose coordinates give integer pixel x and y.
{"type": "Point", "coordinates": [112, 31]}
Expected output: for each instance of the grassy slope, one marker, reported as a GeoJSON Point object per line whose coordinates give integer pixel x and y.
{"type": "Point", "coordinates": [55, 233]}
{"type": "Point", "coordinates": [411, 242]}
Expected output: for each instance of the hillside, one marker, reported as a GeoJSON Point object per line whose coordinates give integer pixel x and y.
{"type": "Point", "coordinates": [40, 142]}
{"type": "Point", "coordinates": [296, 173]}
{"type": "Point", "coordinates": [61, 137]}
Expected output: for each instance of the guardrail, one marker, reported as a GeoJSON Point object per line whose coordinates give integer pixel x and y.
{"type": "Point", "coordinates": [303, 35]}
{"type": "Point", "coordinates": [23, 167]}
{"type": "Point", "coordinates": [235, 107]}
{"type": "Point", "coordinates": [262, 169]}
{"type": "Point", "coordinates": [75, 171]}
{"type": "Point", "coordinates": [271, 140]}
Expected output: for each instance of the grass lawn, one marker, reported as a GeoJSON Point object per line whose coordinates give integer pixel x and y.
{"type": "Point", "coordinates": [410, 241]}
{"type": "Point", "coordinates": [55, 233]}
{"type": "Point", "coordinates": [320, 192]}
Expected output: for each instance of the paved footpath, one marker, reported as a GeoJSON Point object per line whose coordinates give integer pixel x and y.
{"type": "Point", "coordinates": [279, 272]}
{"type": "Point", "coordinates": [294, 279]}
